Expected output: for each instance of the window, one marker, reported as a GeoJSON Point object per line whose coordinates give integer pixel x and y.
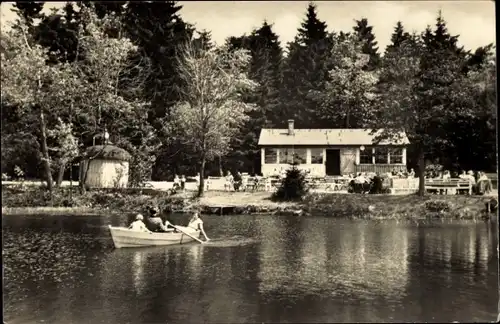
{"type": "Point", "coordinates": [300, 156]}
{"type": "Point", "coordinates": [396, 156]}
{"type": "Point", "coordinates": [270, 156]}
{"type": "Point", "coordinates": [381, 155]}
{"type": "Point", "coordinates": [286, 156]}
{"type": "Point", "coordinates": [317, 156]}
{"type": "Point", "coordinates": [366, 156]}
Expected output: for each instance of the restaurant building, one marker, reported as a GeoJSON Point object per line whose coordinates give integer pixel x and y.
{"type": "Point", "coordinates": [330, 152]}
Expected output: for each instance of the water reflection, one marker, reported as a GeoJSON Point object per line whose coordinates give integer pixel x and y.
{"type": "Point", "coordinates": [327, 258]}
{"type": "Point", "coordinates": [64, 270]}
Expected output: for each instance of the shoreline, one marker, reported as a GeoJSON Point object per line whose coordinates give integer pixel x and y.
{"type": "Point", "coordinates": [383, 206]}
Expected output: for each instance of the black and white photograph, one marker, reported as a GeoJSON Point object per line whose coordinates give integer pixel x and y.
{"type": "Point", "coordinates": [249, 162]}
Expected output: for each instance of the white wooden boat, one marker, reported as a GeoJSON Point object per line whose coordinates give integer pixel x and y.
{"type": "Point", "coordinates": [124, 237]}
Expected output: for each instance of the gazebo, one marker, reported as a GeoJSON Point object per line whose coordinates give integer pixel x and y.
{"type": "Point", "coordinates": [104, 166]}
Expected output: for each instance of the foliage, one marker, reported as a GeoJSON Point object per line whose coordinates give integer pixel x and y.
{"type": "Point", "coordinates": [265, 70]}
{"type": "Point", "coordinates": [293, 186]}
{"type": "Point", "coordinates": [106, 152]}
{"type": "Point", "coordinates": [364, 33]}
{"type": "Point", "coordinates": [438, 205]}
{"type": "Point", "coordinates": [398, 37]}
{"type": "Point", "coordinates": [93, 66]}
{"type": "Point", "coordinates": [67, 145]}
{"type": "Point", "coordinates": [211, 111]}
{"type": "Point", "coordinates": [347, 96]}
{"type": "Point", "coordinates": [306, 68]}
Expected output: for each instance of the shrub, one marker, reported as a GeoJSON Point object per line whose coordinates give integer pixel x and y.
{"type": "Point", "coordinates": [438, 206]}
{"type": "Point", "coordinates": [293, 186]}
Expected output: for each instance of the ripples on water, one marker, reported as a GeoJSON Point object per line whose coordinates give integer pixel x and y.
{"type": "Point", "coordinates": [255, 269]}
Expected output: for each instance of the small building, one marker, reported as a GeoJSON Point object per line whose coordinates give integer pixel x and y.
{"type": "Point", "coordinates": [330, 152]}
{"type": "Point", "coordinates": [105, 166]}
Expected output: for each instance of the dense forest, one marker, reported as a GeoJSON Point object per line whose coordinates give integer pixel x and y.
{"type": "Point", "coordinates": [179, 103]}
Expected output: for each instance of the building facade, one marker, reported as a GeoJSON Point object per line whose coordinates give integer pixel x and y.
{"type": "Point", "coordinates": [329, 152]}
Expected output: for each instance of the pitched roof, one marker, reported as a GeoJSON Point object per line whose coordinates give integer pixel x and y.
{"type": "Point", "coordinates": [339, 136]}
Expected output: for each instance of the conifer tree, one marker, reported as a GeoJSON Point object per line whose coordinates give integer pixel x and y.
{"type": "Point", "coordinates": [398, 37]}
{"type": "Point", "coordinates": [364, 32]}
{"type": "Point", "coordinates": [306, 68]}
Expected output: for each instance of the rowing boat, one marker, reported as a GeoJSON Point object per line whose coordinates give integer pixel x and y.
{"type": "Point", "coordinates": [124, 237]}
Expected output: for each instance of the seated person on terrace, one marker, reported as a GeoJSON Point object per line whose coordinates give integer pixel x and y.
{"type": "Point", "coordinates": [411, 174]}
{"type": "Point", "coordinates": [360, 178]}
{"type": "Point", "coordinates": [446, 175]}
{"type": "Point", "coordinates": [229, 181]}
{"type": "Point", "coordinates": [177, 182]}
{"type": "Point", "coordinates": [483, 183]}
{"type": "Point", "coordinates": [237, 181]}
{"type": "Point", "coordinates": [470, 176]}
{"type": "Point", "coordinates": [463, 175]}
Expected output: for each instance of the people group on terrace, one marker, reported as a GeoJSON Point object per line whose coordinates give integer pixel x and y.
{"type": "Point", "coordinates": [237, 181]}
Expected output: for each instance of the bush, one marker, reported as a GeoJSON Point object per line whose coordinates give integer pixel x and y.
{"type": "Point", "coordinates": [293, 186]}
{"type": "Point", "coordinates": [438, 206]}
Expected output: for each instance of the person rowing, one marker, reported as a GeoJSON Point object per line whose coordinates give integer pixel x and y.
{"type": "Point", "coordinates": [196, 223]}
{"type": "Point", "coordinates": [155, 223]}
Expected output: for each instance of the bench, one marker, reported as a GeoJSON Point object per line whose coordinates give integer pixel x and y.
{"type": "Point", "coordinates": [448, 184]}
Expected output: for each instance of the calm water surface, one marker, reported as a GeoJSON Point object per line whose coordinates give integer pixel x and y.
{"type": "Point", "coordinates": [257, 269]}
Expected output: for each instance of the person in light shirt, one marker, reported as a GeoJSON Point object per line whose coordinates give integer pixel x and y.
{"type": "Point", "coordinates": [138, 225]}
{"type": "Point", "coordinates": [177, 182]}
{"type": "Point", "coordinates": [196, 223]}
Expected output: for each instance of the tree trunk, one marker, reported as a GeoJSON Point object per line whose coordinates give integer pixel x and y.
{"type": "Point", "coordinates": [220, 167]}
{"type": "Point", "coordinates": [421, 170]}
{"type": "Point", "coordinates": [60, 174]}
{"type": "Point", "coordinates": [45, 152]}
{"type": "Point", "coordinates": [201, 188]}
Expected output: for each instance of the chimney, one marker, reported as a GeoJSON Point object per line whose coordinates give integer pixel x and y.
{"type": "Point", "coordinates": [290, 127]}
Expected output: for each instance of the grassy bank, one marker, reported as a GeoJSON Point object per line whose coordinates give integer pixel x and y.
{"type": "Point", "coordinates": [37, 201]}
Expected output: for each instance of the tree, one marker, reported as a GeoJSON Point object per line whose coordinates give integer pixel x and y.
{"type": "Point", "coordinates": [347, 96]}
{"type": "Point", "coordinates": [30, 84]}
{"type": "Point", "coordinates": [364, 32]}
{"type": "Point", "coordinates": [266, 71]}
{"type": "Point", "coordinates": [306, 69]}
{"type": "Point", "coordinates": [398, 37]}
{"type": "Point", "coordinates": [211, 111]}
{"type": "Point", "coordinates": [114, 91]}
{"type": "Point", "coordinates": [159, 32]}
{"type": "Point", "coordinates": [423, 91]}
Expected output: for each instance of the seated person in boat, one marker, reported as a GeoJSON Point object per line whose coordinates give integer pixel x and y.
{"type": "Point", "coordinates": [154, 221]}
{"type": "Point", "coordinates": [196, 223]}
{"type": "Point", "coordinates": [138, 224]}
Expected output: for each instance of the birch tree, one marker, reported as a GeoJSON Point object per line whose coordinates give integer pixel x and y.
{"type": "Point", "coordinates": [211, 110]}
{"type": "Point", "coordinates": [114, 78]}
{"type": "Point", "coordinates": [30, 84]}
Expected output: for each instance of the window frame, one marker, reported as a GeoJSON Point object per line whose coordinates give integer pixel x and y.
{"type": "Point", "coordinates": [372, 155]}
{"type": "Point", "coordinates": [295, 155]}
{"type": "Point", "coordinates": [398, 155]}
{"type": "Point", "coordinates": [375, 155]}
{"type": "Point", "coordinates": [287, 155]}
{"type": "Point", "coordinates": [321, 156]}
{"type": "Point", "coordinates": [275, 152]}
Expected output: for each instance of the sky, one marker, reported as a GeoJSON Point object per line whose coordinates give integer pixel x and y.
{"type": "Point", "coordinates": [473, 20]}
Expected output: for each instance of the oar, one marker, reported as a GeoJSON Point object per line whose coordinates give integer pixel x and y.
{"type": "Point", "coordinates": [186, 233]}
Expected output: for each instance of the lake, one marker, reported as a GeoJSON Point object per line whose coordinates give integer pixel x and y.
{"type": "Point", "coordinates": [255, 269]}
